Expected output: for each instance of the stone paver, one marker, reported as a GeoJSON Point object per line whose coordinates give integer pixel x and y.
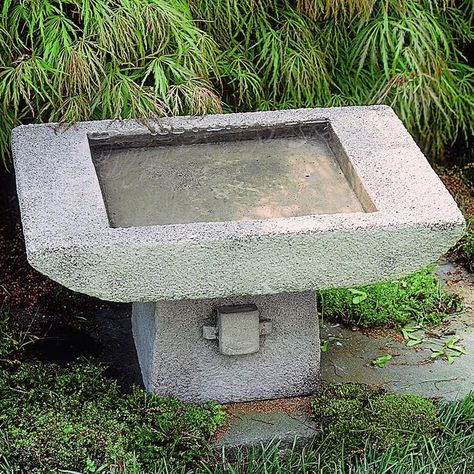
{"type": "Point", "coordinates": [411, 369]}
{"type": "Point", "coordinates": [249, 428]}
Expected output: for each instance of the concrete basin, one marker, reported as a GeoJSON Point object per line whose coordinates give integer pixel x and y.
{"type": "Point", "coordinates": [220, 209]}
{"type": "Point", "coordinates": [394, 217]}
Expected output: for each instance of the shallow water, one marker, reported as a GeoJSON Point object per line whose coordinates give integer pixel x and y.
{"type": "Point", "coordinates": [222, 181]}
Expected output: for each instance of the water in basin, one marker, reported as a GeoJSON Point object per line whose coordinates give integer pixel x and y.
{"type": "Point", "coordinates": [255, 176]}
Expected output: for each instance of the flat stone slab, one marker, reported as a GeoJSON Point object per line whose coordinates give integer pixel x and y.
{"type": "Point", "coordinates": [411, 369]}
{"type": "Point", "coordinates": [406, 217]}
{"type": "Point", "coordinates": [287, 421]}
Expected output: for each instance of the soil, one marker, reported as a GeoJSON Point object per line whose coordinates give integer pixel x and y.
{"type": "Point", "coordinates": [28, 294]}
{"type": "Point", "coordinates": [382, 332]}
{"type": "Point", "coordinates": [461, 188]}
{"type": "Point", "coordinates": [20, 285]}
{"type": "Point", "coordinates": [60, 321]}
{"type": "Point", "coordinates": [301, 404]}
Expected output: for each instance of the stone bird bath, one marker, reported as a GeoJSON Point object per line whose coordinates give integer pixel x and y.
{"type": "Point", "coordinates": [219, 228]}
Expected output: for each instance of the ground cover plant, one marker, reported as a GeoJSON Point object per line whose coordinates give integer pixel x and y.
{"type": "Point", "coordinates": [69, 60]}
{"type": "Point", "coordinates": [73, 417]}
{"type": "Point", "coordinates": [448, 449]}
{"type": "Point", "coordinates": [418, 298]}
{"type": "Point", "coordinates": [442, 441]}
{"type": "Point", "coordinates": [354, 416]}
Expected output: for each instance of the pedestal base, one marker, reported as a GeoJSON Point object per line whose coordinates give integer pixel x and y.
{"type": "Point", "coordinates": [176, 359]}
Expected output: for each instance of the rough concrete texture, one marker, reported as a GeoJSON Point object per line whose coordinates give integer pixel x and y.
{"type": "Point", "coordinates": [175, 358]}
{"type": "Point", "coordinates": [411, 369]}
{"type": "Point", "coordinates": [68, 236]}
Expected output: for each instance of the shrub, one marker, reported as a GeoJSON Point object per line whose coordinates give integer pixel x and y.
{"type": "Point", "coordinates": [418, 297]}
{"type": "Point", "coordinates": [69, 60]}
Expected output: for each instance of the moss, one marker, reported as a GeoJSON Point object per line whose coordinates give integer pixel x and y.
{"type": "Point", "coordinates": [397, 418]}
{"type": "Point", "coordinates": [419, 297]}
{"type": "Point", "coordinates": [351, 391]}
{"type": "Point", "coordinates": [353, 415]}
{"type": "Point", "coordinates": [73, 417]}
{"type": "Point", "coordinates": [165, 427]}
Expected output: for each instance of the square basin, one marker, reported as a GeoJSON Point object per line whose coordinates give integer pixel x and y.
{"type": "Point", "coordinates": [225, 175]}
{"type": "Point", "coordinates": [219, 206]}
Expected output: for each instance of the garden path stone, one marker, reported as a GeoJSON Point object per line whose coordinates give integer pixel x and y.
{"type": "Point", "coordinates": [253, 428]}
{"type": "Point", "coordinates": [411, 369]}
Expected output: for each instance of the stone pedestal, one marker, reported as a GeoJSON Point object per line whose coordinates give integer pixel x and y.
{"type": "Point", "coordinates": [183, 347]}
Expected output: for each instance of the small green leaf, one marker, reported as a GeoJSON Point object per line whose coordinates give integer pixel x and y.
{"type": "Point", "coordinates": [324, 345]}
{"type": "Point", "coordinates": [381, 361]}
{"type": "Point", "coordinates": [359, 296]}
{"type": "Point", "coordinates": [451, 358]}
{"type": "Point", "coordinates": [437, 353]}
{"type": "Point", "coordinates": [414, 341]}
{"type": "Point", "coordinates": [407, 330]}
{"type": "Point", "coordinates": [451, 342]}
{"type": "Point", "coordinates": [451, 345]}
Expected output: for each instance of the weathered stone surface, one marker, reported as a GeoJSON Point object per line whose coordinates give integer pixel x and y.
{"type": "Point", "coordinates": [238, 329]}
{"type": "Point", "coordinates": [68, 236]}
{"type": "Point", "coordinates": [175, 358]}
{"type": "Point", "coordinates": [254, 428]}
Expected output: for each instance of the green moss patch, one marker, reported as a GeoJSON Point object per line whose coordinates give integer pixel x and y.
{"type": "Point", "coordinates": [73, 417]}
{"type": "Point", "coordinates": [69, 417]}
{"type": "Point", "coordinates": [355, 416]}
{"type": "Point", "coordinates": [419, 297]}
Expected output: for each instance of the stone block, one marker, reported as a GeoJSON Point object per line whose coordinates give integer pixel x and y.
{"type": "Point", "coordinates": [176, 359]}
